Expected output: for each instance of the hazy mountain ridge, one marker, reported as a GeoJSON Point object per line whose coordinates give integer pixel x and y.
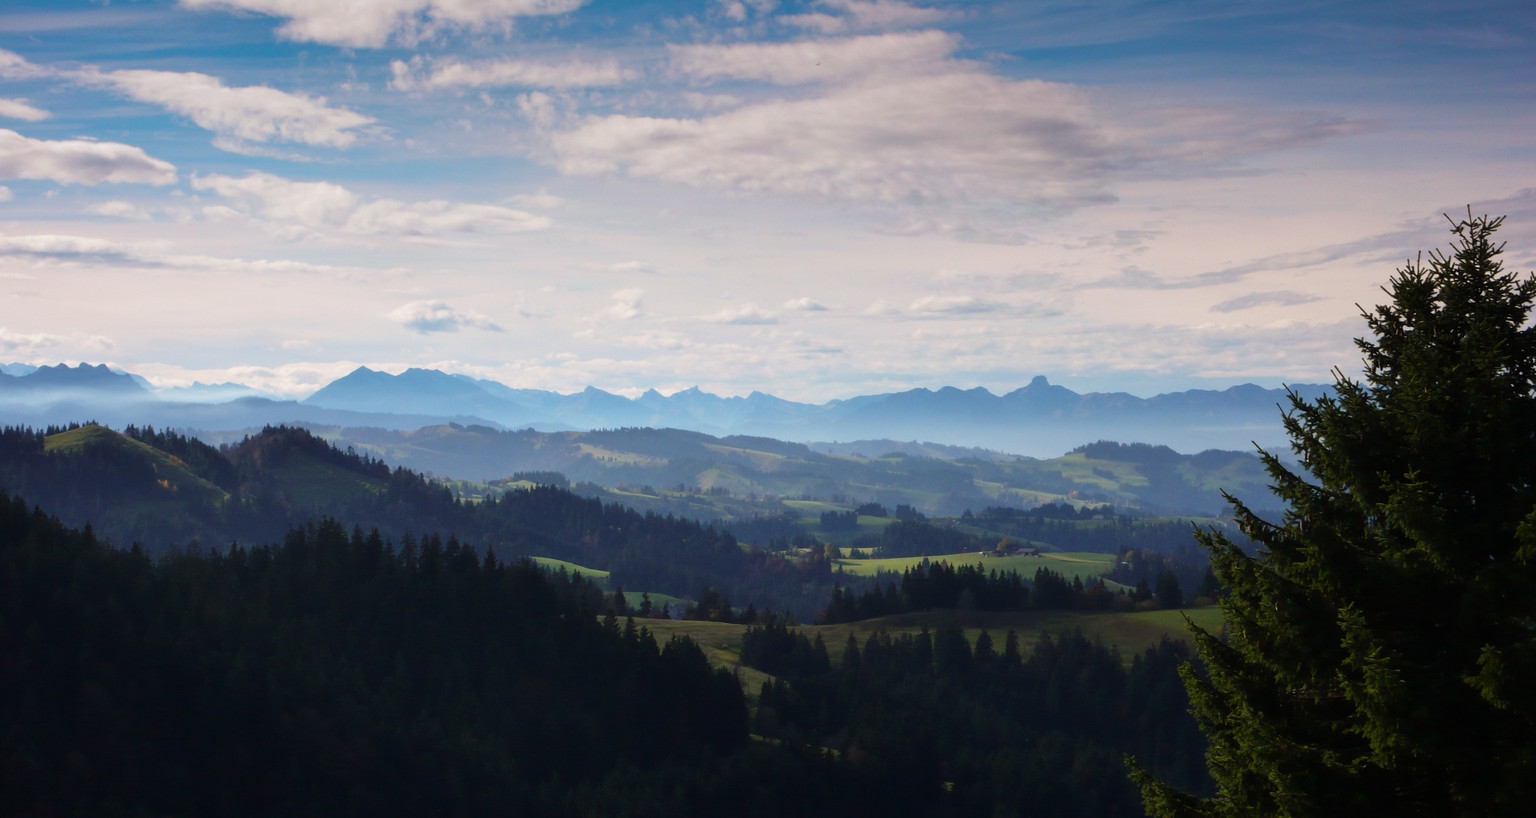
{"type": "Point", "coordinates": [670, 470]}
{"type": "Point", "coordinates": [1039, 419]}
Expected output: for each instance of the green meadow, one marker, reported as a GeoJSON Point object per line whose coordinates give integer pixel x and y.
{"type": "Point", "coordinates": [1082, 565]}
{"type": "Point", "coordinates": [600, 578]}
{"type": "Point", "coordinates": [170, 473]}
{"type": "Point", "coordinates": [1130, 632]}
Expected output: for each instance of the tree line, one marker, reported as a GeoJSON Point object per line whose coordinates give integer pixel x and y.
{"type": "Point", "coordinates": [983, 729]}
{"type": "Point", "coordinates": [937, 584]}
{"type": "Point", "coordinates": [335, 673]}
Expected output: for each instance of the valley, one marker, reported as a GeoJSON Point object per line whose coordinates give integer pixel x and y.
{"type": "Point", "coordinates": [1058, 571]}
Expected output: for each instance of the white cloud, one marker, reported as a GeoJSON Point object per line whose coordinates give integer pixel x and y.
{"type": "Point", "coordinates": [120, 209]}
{"type": "Point", "coordinates": [1384, 246]}
{"type": "Point", "coordinates": [434, 316]}
{"type": "Point", "coordinates": [375, 22]}
{"type": "Point", "coordinates": [538, 108]}
{"type": "Point", "coordinates": [627, 304]}
{"type": "Point", "coordinates": [272, 197]}
{"type": "Point", "coordinates": [315, 206]}
{"type": "Point", "coordinates": [58, 246]}
{"type": "Point", "coordinates": [16, 67]}
{"type": "Point", "coordinates": [541, 199]}
{"type": "Point", "coordinates": [235, 114]}
{"type": "Point", "coordinates": [709, 102]}
{"type": "Point", "coordinates": [437, 216]}
{"type": "Point", "coordinates": [219, 212]}
{"type": "Point", "coordinates": [29, 345]}
{"type": "Point", "coordinates": [887, 13]}
{"type": "Point", "coordinates": [733, 9]}
{"type": "Point", "coordinates": [295, 380]}
{"type": "Point", "coordinates": [21, 109]}
{"type": "Point", "coordinates": [866, 14]}
{"type": "Point", "coordinates": [930, 307]}
{"type": "Point", "coordinates": [420, 74]}
{"type": "Point", "coordinates": [924, 137]}
{"type": "Point", "coordinates": [954, 134]}
{"type": "Point", "coordinates": [954, 305]}
{"type": "Point", "coordinates": [85, 250]}
{"type": "Point", "coordinates": [805, 305]}
{"type": "Point", "coordinates": [5, 194]}
{"type": "Point", "coordinates": [243, 148]}
{"type": "Point", "coordinates": [252, 113]}
{"type": "Point", "coordinates": [633, 267]}
{"type": "Point", "coordinates": [1283, 298]}
{"type": "Point", "coordinates": [80, 161]}
{"type": "Point", "coordinates": [744, 315]}
{"type": "Point", "coordinates": [820, 60]}
{"type": "Point", "coordinates": [14, 342]}
{"type": "Point", "coordinates": [817, 21]}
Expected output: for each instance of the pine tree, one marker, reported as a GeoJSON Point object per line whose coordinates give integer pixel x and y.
{"type": "Point", "coordinates": [1380, 650]}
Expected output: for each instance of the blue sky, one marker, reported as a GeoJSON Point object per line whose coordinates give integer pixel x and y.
{"type": "Point", "coordinates": [815, 199]}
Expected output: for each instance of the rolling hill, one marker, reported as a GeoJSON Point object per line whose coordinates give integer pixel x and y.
{"type": "Point", "coordinates": [699, 475]}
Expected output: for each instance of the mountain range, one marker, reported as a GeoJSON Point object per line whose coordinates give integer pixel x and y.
{"type": "Point", "coordinates": [1040, 419]}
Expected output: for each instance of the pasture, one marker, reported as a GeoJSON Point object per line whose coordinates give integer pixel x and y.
{"type": "Point", "coordinates": [1082, 565]}
{"type": "Point", "coordinates": [1130, 632]}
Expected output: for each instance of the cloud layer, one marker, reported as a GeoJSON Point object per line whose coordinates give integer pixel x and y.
{"type": "Point", "coordinates": [434, 316]}
{"type": "Point", "coordinates": [250, 113]}
{"type": "Point", "coordinates": [819, 197]}
{"type": "Point", "coordinates": [21, 109]}
{"type": "Point", "coordinates": [89, 251]}
{"type": "Point", "coordinates": [373, 23]}
{"type": "Point", "coordinates": [420, 74]}
{"type": "Point", "coordinates": [895, 119]}
{"type": "Point", "coordinates": [325, 206]}
{"type": "Point", "coordinates": [80, 162]}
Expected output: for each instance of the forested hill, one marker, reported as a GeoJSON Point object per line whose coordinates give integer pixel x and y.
{"type": "Point", "coordinates": [170, 493]}
{"type": "Point", "coordinates": [335, 675]}
{"type": "Point", "coordinates": [934, 479]}
{"type": "Point", "coordinates": [385, 653]}
{"type": "Point", "coordinates": [343, 674]}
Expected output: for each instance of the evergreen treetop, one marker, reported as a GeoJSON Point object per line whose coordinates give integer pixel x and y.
{"type": "Point", "coordinates": [1380, 647]}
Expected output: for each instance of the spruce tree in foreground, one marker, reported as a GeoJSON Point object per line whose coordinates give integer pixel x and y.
{"type": "Point", "coordinates": [1380, 650]}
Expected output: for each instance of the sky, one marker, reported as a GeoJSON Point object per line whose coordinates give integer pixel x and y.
{"type": "Point", "coordinates": [812, 199]}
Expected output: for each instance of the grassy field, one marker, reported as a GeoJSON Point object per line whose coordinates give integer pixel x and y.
{"type": "Point", "coordinates": [810, 519]}
{"type": "Point", "coordinates": [1079, 564]}
{"type": "Point", "coordinates": [721, 643]}
{"type": "Point", "coordinates": [600, 578]}
{"type": "Point", "coordinates": [1001, 492]}
{"type": "Point", "coordinates": [634, 598]}
{"type": "Point", "coordinates": [572, 568]}
{"type": "Point", "coordinates": [1132, 633]}
{"type": "Point", "coordinates": [172, 475]}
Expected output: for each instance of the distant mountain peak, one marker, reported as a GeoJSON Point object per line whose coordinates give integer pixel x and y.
{"type": "Point", "coordinates": [1039, 418]}
{"type": "Point", "coordinates": [99, 377]}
